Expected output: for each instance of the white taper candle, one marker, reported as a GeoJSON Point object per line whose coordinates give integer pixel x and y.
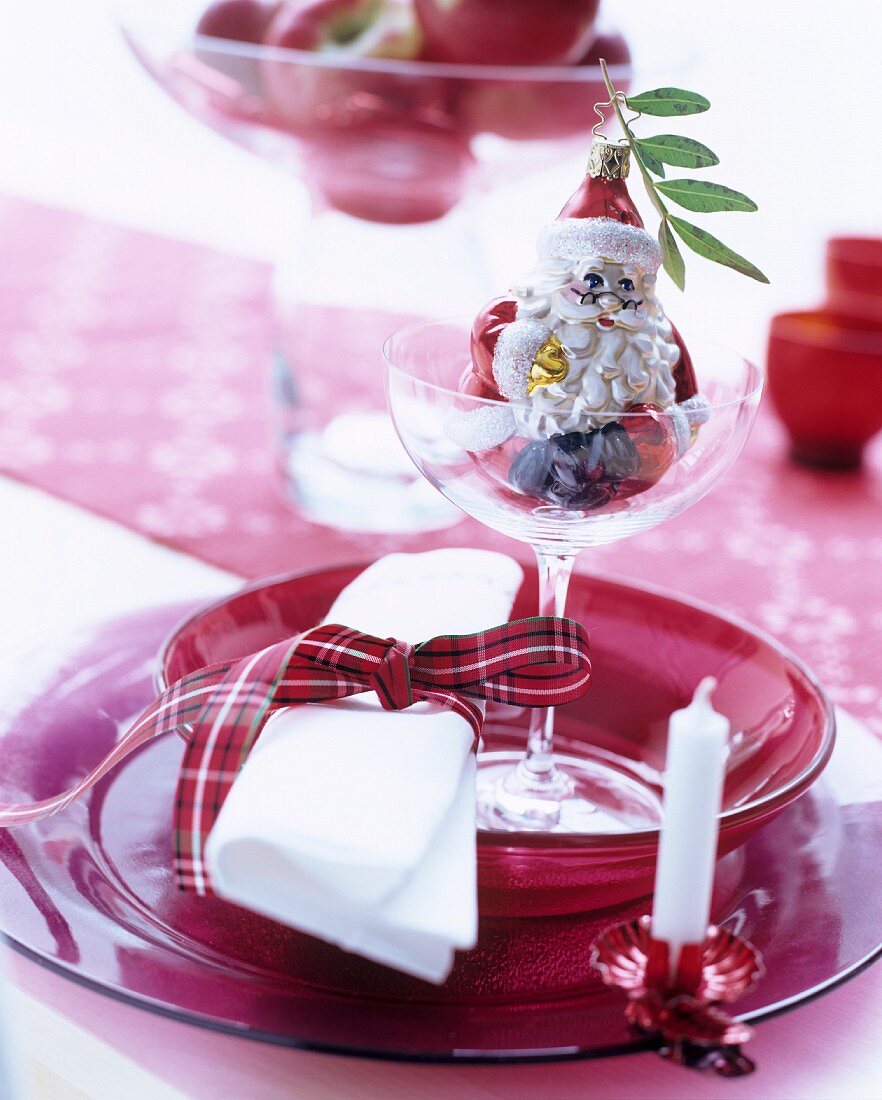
{"type": "Point", "coordinates": [694, 771]}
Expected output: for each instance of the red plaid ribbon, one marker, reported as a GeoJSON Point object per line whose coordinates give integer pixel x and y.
{"type": "Point", "coordinates": [221, 709]}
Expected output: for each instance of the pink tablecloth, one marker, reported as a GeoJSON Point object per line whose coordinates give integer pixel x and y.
{"type": "Point", "coordinates": [133, 382]}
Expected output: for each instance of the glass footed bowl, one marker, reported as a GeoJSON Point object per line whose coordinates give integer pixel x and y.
{"type": "Point", "coordinates": [395, 156]}
{"type": "Point", "coordinates": [649, 650]}
{"type": "Point", "coordinates": [393, 141]}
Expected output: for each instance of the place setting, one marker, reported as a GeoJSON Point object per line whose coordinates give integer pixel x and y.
{"type": "Point", "coordinates": [438, 803]}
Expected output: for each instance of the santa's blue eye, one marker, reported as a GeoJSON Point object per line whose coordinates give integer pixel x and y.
{"type": "Point", "coordinates": [593, 280]}
{"type": "Point", "coordinates": [626, 284]}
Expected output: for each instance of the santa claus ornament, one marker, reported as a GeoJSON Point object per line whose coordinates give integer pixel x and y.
{"type": "Point", "coordinates": [601, 390]}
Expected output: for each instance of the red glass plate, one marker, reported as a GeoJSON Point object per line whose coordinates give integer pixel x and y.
{"type": "Point", "coordinates": [649, 650]}
{"type": "Point", "coordinates": [89, 894]}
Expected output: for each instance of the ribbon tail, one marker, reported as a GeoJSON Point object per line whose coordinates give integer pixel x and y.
{"type": "Point", "coordinates": [23, 813]}
{"type": "Point", "coordinates": [223, 734]}
{"type": "Point", "coordinates": [164, 715]}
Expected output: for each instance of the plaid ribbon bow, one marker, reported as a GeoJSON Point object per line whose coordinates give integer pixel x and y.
{"type": "Point", "coordinates": [221, 709]}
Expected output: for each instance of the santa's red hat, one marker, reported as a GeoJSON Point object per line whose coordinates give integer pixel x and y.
{"type": "Point", "coordinates": [600, 220]}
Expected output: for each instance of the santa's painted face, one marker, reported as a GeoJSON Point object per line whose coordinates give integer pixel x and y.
{"type": "Point", "coordinates": [603, 292]}
{"type": "Point", "coordinates": [617, 342]}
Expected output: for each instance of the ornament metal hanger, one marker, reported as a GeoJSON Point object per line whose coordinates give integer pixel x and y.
{"type": "Point", "coordinates": [622, 100]}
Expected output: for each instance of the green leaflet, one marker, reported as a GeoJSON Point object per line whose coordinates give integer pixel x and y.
{"type": "Point", "coordinates": [652, 153]}
{"type": "Point", "coordinates": [702, 242]}
{"type": "Point", "coordinates": [703, 197]}
{"type": "Point", "coordinates": [681, 151]}
{"type": "Point", "coordinates": [650, 162]}
{"type": "Point", "coordinates": [672, 258]}
{"type": "Point", "coordinates": [668, 101]}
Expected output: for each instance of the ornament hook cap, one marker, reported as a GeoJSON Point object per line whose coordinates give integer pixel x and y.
{"type": "Point", "coordinates": [609, 160]}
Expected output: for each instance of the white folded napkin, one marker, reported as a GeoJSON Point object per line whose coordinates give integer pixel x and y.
{"type": "Point", "coordinates": [357, 824]}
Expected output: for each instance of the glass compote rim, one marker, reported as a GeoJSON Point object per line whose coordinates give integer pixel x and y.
{"type": "Point", "coordinates": [126, 14]}
{"type": "Point", "coordinates": [754, 392]}
{"type": "Point", "coordinates": [558, 74]}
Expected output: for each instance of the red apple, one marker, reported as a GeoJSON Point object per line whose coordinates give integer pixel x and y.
{"type": "Point", "coordinates": [238, 20]}
{"type": "Point", "coordinates": [396, 173]}
{"type": "Point", "coordinates": [508, 32]}
{"type": "Point", "coordinates": [227, 80]}
{"type": "Point", "coordinates": [360, 28]}
{"type": "Point", "coordinates": [535, 109]}
{"type": "Point", "coordinates": [336, 91]}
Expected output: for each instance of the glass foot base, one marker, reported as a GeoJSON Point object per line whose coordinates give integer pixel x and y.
{"type": "Point", "coordinates": [355, 475]}
{"type": "Point", "coordinates": [584, 796]}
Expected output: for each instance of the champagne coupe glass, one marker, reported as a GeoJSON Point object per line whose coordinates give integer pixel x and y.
{"type": "Point", "coordinates": [452, 438]}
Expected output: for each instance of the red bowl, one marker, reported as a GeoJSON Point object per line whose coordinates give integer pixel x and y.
{"type": "Point", "coordinates": [649, 650]}
{"type": "Point", "coordinates": [824, 374]}
{"type": "Point", "coordinates": [854, 276]}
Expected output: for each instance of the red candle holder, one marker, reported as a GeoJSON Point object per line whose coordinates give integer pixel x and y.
{"type": "Point", "coordinates": [825, 380]}
{"type": "Point", "coordinates": [682, 1011]}
{"type": "Point", "coordinates": [854, 276]}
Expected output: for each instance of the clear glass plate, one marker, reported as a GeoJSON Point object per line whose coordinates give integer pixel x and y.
{"type": "Point", "coordinates": [89, 894]}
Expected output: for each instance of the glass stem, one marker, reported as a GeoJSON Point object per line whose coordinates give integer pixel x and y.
{"type": "Point", "coordinates": [555, 571]}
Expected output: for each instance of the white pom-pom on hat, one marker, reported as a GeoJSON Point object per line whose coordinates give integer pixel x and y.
{"type": "Point", "coordinates": [605, 238]}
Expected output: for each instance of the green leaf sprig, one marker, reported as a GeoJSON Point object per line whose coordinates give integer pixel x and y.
{"type": "Point", "coordinates": [653, 153]}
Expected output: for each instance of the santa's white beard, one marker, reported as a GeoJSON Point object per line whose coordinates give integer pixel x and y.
{"type": "Point", "coordinates": [610, 369]}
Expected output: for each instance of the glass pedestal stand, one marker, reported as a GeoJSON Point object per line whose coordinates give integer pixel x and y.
{"type": "Point", "coordinates": [339, 291]}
